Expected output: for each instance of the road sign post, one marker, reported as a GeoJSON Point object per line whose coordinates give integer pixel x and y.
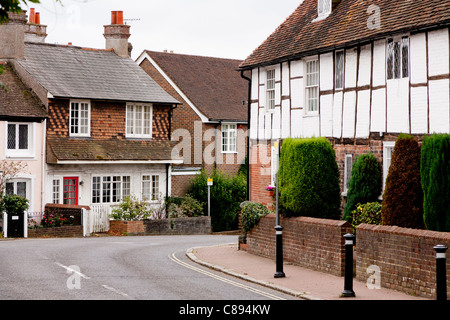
{"type": "Point", "coordinates": [210, 184]}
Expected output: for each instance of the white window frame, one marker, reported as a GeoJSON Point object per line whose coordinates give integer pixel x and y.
{"type": "Point", "coordinates": [150, 187]}
{"type": "Point", "coordinates": [56, 191]}
{"type": "Point", "coordinates": [347, 172]}
{"type": "Point", "coordinates": [309, 88]}
{"type": "Point", "coordinates": [324, 8]}
{"type": "Point", "coordinates": [137, 125]}
{"type": "Point", "coordinates": [16, 152]}
{"type": "Point", "coordinates": [339, 69]}
{"type": "Point", "coordinates": [398, 66]}
{"type": "Point", "coordinates": [270, 89]}
{"type": "Point", "coordinates": [229, 134]}
{"type": "Point", "coordinates": [388, 149]}
{"type": "Point", "coordinates": [112, 183]}
{"type": "Point", "coordinates": [79, 126]}
{"type": "Point", "coordinates": [28, 180]}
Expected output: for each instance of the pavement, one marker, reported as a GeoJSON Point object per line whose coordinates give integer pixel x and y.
{"type": "Point", "coordinates": [298, 281]}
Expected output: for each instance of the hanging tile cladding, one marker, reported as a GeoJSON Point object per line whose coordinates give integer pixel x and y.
{"type": "Point", "coordinates": [107, 120]}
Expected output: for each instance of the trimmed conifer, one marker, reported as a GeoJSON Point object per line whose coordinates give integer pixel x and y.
{"type": "Point", "coordinates": [403, 196]}
{"type": "Point", "coordinates": [364, 185]}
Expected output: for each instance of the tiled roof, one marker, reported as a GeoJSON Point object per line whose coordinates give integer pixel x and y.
{"type": "Point", "coordinates": [213, 85]}
{"type": "Point", "coordinates": [67, 149]}
{"type": "Point", "coordinates": [299, 35]}
{"type": "Point", "coordinates": [74, 72]}
{"type": "Point", "coordinates": [17, 100]}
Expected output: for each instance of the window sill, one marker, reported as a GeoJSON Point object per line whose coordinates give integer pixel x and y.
{"type": "Point", "coordinates": [311, 115]}
{"type": "Point", "coordinates": [229, 152]}
{"type": "Point", "coordinates": [20, 157]}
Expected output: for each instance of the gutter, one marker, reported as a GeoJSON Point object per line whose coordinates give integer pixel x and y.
{"type": "Point", "coordinates": [248, 130]}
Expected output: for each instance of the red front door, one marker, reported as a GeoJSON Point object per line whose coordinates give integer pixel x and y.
{"type": "Point", "coordinates": [71, 191]}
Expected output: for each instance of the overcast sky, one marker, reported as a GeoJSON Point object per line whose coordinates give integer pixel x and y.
{"type": "Point", "coordinates": [216, 28]}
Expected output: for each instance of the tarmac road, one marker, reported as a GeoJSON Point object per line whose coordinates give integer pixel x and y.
{"type": "Point", "coordinates": [118, 268]}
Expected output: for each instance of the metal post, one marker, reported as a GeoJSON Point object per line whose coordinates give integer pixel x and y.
{"type": "Point", "coordinates": [441, 272]}
{"type": "Point", "coordinates": [209, 201]}
{"type": "Point", "coordinates": [278, 229]}
{"type": "Point", "coordinates": [348, 281]}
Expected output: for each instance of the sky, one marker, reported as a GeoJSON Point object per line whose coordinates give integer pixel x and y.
{"type": "Point", "coordinates": [215, 28]}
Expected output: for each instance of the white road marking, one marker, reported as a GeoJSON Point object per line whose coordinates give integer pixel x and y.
{"type": "Point", "coordinates": [234, 283]}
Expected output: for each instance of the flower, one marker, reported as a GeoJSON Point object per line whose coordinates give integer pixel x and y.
{"type": "Point", "coordinates": [270, 188]}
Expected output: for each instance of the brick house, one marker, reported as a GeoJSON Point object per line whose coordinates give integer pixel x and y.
{"type": "Point", "coordinates": [108, 128]}
{"type": "Point", "coordinates": [210, 124]}
{"type": "Point", "coordinates": [358, 73]}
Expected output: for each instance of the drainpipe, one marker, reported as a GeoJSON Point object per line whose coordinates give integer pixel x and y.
{"type": "Point", "coordinates": [248, 130]}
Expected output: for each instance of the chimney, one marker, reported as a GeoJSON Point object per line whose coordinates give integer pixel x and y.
{"type": "Point", "coordinates": [34, 30]}
{"type": "Point", "coordinates": [117, 35]}
{"type": "Point", "coordinates": [12, 36]}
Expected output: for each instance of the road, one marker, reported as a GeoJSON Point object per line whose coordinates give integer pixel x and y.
{"type": "Point", "coordinates": [118, 268]}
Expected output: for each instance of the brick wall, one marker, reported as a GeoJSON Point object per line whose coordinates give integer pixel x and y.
{"type": "Point", "coordinates": [61, 232]}
{"type": "Point", "coordinates": [406, 257]}
{"type": "Point", "coordinates": [107, 120]}
{"type": "Point", "coordinates": [317, 244]}
{"type": "Point", "coordinates": [178, 226]}
{"type": "Point", "coordinates": [260, 173]}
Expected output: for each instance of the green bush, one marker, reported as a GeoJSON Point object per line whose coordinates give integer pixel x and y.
{"type": "Point", "coordinates": [226, 195]}
{"type": "Point", "coordinates": [365, 183]}
{"type": "Point", "coordinates": [435, 179]}
{"type": "Point", "coordinates": [187, 207]}
{"type": "Point", "coordinates": [403, 196]}
{"type": "Point", "coordinates": [369, 213]}
{"type": "Point", "coordinates": [131, 209]}
{"type": "Point", "coordinates": [251, 213]}
{"type": "Point", "coordinates": [309, 179]}
{"type": "Point", "coordinates": [14, 204]}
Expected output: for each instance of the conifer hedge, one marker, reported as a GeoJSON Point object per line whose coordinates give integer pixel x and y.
{"type": "Point", "coordinates": [309, 179]}
{"type": "Point", "coordinates": [365, 183]}
{"type": "Point", "coordinates": [403, 196]}
{"type": "Point", "coordinates": [435, 178]}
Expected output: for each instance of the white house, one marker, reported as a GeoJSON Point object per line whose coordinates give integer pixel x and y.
{"type": "Point", "coordinates": [356, 72]}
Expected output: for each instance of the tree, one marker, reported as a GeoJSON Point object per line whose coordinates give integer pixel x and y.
{"type": "Point", "coordinates": [365, 183]}
{"type": "Point", "coordinates": [403, 196]}
{"type": "Point", "coordinates": [14, 6]}
{"type": "Point", "coordinates": [309, 179]}
{"type": "Point", "coordinates": [435, 178]}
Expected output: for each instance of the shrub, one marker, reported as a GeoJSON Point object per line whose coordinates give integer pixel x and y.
{"type": "Point", "coordinates": [131, 209]}
{"type": "Point", "coordinates": [187, 207]}
{"type": "Point", "coordinates": [403, 196]}
{"type": "Point", "coordinates": [365, 183]}
{"type": "Point", "coordinates": [226, 195]}
{"type": "Point", "coordinates": [435, 178]}
{"type": "Point", "coordinates": [14, 204]}
{"type": "Point", "coordinates": [309, 179]}
{"type": "Point", "coordinates": [251, 213]}
{"type": "Point", "coordinates": [369, 213]}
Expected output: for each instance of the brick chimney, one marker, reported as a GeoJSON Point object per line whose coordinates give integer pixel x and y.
{"type": "Point", "coordinates": [34, 30]}
{"type": "Point", "coordinates": [12, 36]}
{"type": "Point", "coordinates": [117, 35]}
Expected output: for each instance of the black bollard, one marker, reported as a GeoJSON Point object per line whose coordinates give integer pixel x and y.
{"type": "Point", "coordinates": [441, 272]}
{"type": "Point", "coordinates": [279, 252]}
{"type": "Point", "coordinates": [348, 281]}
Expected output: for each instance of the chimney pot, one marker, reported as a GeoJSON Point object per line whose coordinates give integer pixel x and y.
{"type": "Point", "coordinates": [113, 17]}
{"type": "Point", "coordinates": [37, 18]}
{"type": "Point", "coordinates": [119, 17]}
{"type": "Point", "coordinates": [32, 15]}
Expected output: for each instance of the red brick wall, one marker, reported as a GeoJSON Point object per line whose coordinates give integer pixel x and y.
{"type": "Point", "coordinates": [260, 173]}
{"type": "Point", "coordinates": [406, 257]}
{"type": "Point", "coordinates": [107, 120]}
{"type": "Point", "coordinates": [317, 244]}
{"type": "Point", "coordinates": [61, 232]}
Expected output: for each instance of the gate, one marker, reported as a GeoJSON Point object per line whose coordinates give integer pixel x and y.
{"type": "Point", "coordinates": [15, 226]}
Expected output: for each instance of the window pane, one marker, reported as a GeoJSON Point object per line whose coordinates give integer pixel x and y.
{"type": "Point", "coordinates": [155, 187]}
{"type": "Point", "coordinates": [270, 89]}
{"type": "Point", "coordinates": [405, 57]}
{"type": "Point", "coordinates": [117, 189]}
{"type": "Point", "coordinates": [56, 189]}
{"type": "Point", "coordinates": [96, 190]}
{"type": "Point", "coordinates": [390, 57]}
{"type": "Point", "coordinates": [146, 188]}
{"type": "Point", "coordinates": [22, 189]}
{"type": "Point", "coordinates": [130, 119]}
{"type": "Point", "coordinates": [126, 186]}
{"type": "Point", "coordinates": [23, 137]}
{"type": "Point", "coordinates": [147, 120]}
{"type": "Point", "coordinates": [106, 190]}
{"type": "Point", "coordinates": [138, 120]}
{"type": "Point", "coordinates": [11, 136]}
{"type": "Point", "coordinates": [74, 114]}
{"type": "Point", "coordinates": [339, 72]}
{"type": "Point", "coordinates": [397, 60]}
{"type": "Point", "coordinates": [9, 188]}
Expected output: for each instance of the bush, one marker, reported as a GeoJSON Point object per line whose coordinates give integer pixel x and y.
{"type": "Point", "coordinates": [187, 207]}
{"type": "Point", "coordinates": [403, 196]}
{"type": "Point", "coordinates": [14, 204]}
{"type": "Point", "coordinates": [131, 209]}
{"type": "Point", "coordinates": [226, 195]}
{"type": "Point", "coordinates": [365, 183]}
{"type": "Point", "coordinates": [369, 213]}
{"type": "Point", "coordinates": [435, 179]}
{"type": "Point", "coordinates": [251, 214]}
{"type": "Point", "coordinates": [309, 179]}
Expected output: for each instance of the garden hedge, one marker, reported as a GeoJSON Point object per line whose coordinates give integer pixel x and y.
{"type": "Point", "coordinates": [309, 179]}
{"type": "Point", "coordinates": [435, 178]}
{"type": "Point", "coordinates": [403, 196]}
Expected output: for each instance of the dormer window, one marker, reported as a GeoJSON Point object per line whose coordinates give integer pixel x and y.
{"type": "Point", "coordinates": [324, 8]}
